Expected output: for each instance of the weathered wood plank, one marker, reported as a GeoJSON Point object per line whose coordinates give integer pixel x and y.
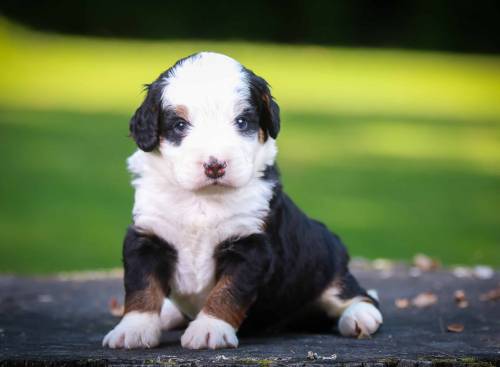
{"type": "Point", "coordinates": [53, 322]}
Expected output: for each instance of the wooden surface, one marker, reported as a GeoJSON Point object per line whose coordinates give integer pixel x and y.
{"type": "Point", "coordinates": [54, 321]}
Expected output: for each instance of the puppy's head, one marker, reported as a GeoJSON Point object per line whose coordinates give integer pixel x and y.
{"type": "Point", "coordinates": [211, 121]}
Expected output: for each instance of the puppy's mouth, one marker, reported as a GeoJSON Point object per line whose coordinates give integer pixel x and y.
{"type": "Point", "coordinates": [219, 182]}
{"type": "Point", "coordinates": [214, 185]}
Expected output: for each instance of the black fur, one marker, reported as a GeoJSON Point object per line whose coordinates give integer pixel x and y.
{"type": "Point", "coordinates": [287, 268]}
{"type": "Point", "coordinates": [280, 272]}
{"type": "Point", "coordinates": [145, 124]}
{"type": "Point", "coordinates": [268, 109]}
{"type": "Point", "coordinates": [249, 263]}
{"type": "Point", "coordinates": [145, 256]}
{"type": "Point", "coordinates": [150, 121]}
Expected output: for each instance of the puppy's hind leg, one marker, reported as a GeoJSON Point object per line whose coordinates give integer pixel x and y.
{"type": "Point", "coordinates": [356, 310]}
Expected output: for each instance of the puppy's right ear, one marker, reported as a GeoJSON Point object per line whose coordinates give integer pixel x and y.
{"type": "Point", "coordinates": [145, 124]}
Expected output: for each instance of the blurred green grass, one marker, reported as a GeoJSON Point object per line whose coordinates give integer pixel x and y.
{"type": "Point", "coordinates": [399, 152]}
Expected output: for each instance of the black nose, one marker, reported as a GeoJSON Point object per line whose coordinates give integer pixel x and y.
{"type": "Point", "coordinates": [215, 168]}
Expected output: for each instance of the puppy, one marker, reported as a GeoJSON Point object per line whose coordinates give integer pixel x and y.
{"type": "Point", "coordinates": [215, 244]}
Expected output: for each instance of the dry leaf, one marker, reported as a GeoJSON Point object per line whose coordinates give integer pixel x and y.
{"type": "Point", "coordinates": [491, 295]}
{"type": "Point", "coordinates": [312, 356]}
{"type": "Point", "coordinates": [461, 299]}
{"type": "Point", "coordinates": [115, 308]}
{"type": "Point", "coordinates": [425, 263]}
{"type": "Point", "coordinates": [462, 272]}
{"type": "Point", "coordinates": [463, 304]}
{"type": "Point", "coordinates": [424, 299]}
{"type": "Point", "coordinates": [459, 295]}
{"type": "Point", "coordinates": [402, 302]}
{"type": "Point", "coordinates": [455, 328]}
{"type": "Point", "coordinates": [382, 264]}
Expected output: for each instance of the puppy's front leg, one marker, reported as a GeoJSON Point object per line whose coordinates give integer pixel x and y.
{"type": "Point", "coordinates": [148, 263]}
{"type": "Point", "coordinates": [242, 266]}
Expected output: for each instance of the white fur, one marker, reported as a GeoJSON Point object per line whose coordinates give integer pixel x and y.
{"type": "Point", "coordinates": [170, 316]}
{"type": "Point", "coordinates": [174, 199]}
{"type": "Point", "coordinates": [135, 330]}
{"type": "Point", "coordinates": [361, 318]}
{"type": "Point", "coordinates": [214, 90]}
{"type": "Point", "coordinates": [373, 293]}
{"type": "Point", "coordinates": [209, 332]}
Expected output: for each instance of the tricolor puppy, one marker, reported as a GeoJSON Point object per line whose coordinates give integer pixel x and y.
{"type": "Point", "coordinates": [215, 244]}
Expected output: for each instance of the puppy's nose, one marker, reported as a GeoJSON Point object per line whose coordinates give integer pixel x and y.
{"type": "Point", "coordinates": [215, 168]}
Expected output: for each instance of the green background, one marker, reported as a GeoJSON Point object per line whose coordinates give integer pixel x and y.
{"type": "Point", "coordinates": [397, 151]}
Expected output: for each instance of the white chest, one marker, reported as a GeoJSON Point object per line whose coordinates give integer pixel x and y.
{"type": "Point", "coordinates": [195, 226]}
{"type": "Point", "coordinates": [194, 275]}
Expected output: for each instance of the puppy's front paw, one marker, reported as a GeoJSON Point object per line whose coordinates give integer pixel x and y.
{"type": "Point", "coordinates": [360, 319]}
{"type": "Point", "coordinates": [209, 332]}
{"type": "Point", "coordinates": [135, 330]}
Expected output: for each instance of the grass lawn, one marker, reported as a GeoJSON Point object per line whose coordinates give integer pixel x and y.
{"type": "Point", "coordinates": [398, 152]}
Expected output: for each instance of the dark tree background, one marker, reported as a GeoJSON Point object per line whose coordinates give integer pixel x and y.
{"type": "Point", "coordinates": [463, 26]}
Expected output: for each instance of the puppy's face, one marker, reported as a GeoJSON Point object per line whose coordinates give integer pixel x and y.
{"type": "Point", "coordinates": [212, 122]}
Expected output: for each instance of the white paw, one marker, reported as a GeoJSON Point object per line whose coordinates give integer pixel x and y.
{"type": "Point", "coordinates": [170, 316]}
{"type": "Point", "coordinates": [135, 330]}
{"type": "Point", "coordinates": [209, 332]}
{"type": "Point", "coordinates": [360, 319]}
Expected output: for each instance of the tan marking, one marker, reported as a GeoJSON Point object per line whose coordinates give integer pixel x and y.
{"type": "Point", "coordinates": [222, 304]}
{"type": "Point", "coordinates": [146, 300]}
{"type": "Point", "coordinates": [262, 136]}
{"type": "Point", "coordinates": [182, 111]}
{"type": "Point", "coordinates": [266, 99]}
{"type": "Point", "coordinates": [331, 302]}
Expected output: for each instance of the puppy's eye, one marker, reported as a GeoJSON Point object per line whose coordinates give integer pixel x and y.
{"type": "Point", "coordinates": [241, 123]}
{"type": "Point", "coordinates": [180, 126]}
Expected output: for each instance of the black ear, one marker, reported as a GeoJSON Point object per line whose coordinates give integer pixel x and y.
{"type": "Point", "coordinates": [270, 119]}
{"type": "Point", "coordinates": [145, 124]}
{"type": "Point", "coordinates": [269, 111]}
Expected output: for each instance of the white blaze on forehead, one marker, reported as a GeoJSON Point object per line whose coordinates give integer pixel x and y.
{"type": "Point", "coordinates": [207, 83]}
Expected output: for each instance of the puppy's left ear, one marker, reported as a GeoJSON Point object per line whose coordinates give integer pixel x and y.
{"type": "Point", "coordinates": [269, 111]}
{"type": "Point", "coordinates": [145, 124]}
